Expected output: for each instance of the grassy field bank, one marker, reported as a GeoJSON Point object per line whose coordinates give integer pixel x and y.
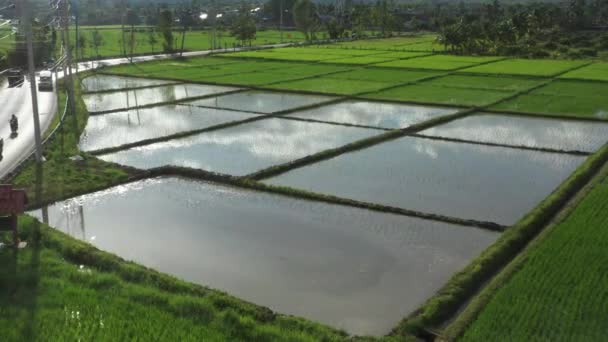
{"type": "Point", "coordinates": [61, 289]}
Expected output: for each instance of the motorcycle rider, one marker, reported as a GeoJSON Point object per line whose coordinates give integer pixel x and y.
{"type": "Point", "coordinates": [14, 123]}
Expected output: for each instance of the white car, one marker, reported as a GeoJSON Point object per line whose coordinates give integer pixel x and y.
{"type": "Point", "coordinates": [46, 81]}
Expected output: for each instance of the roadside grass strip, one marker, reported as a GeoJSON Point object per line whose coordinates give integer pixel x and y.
{"type": "Point", "coordinates": [430, 94]}
{"type": "Point", "coordinates": [438, 62]}
{"type": "Point", "coordinates": [384, 75]}
{"type": "Point", "coordinates": [329, 85]}
{"type": "Point", "coordinates": [559, 293]}
{"type": "Point", "coordinates": [530, 67]}
{"type": "Point", "coordinates": [61, 289]}
{"type": "Point", "coordinates": [577, 99]}
{"type": "Point", "coordinates": [594, 72]}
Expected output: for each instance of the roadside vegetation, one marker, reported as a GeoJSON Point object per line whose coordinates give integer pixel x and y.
{"type": "Point", "coordinates": [67, 171]}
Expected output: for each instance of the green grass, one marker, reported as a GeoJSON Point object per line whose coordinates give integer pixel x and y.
{"type": "Point", "coordinates": [400, 54]}
{"type": "Point", "coordinates": [437, 62]}
{"type": "Point", "coordinates": [362, 60]}
{"type": "Point", "coordinates": [388, 43]}
{"type": "Point", "coordinates": [303, 69]}
{"type": "Point", "coordinates": [384, 75]}
{"type": "Point", "coordinates": [568, 98]}
{"type": "Point", "coordinates": [440, 95]}
{"type": "Point", "coordinates": [530, 67]}
{"type": "Point", "coordinates": [595, 71]}
{"type": "Point", "coordinates": [173, 64]}
{"type": "Point", "coordinates": [60, 289]}
{"type": "Point", "coordinates": [195, 40]}
{"type": "Point", "coordinates": [252, 78]}
{"type": "Point", "coordinates": [428, 46]}
{"type": "Point", "coordinates": [485, 82]}
{"type": "Point", "coordinates": [331, 86]}
{"type": "Point", "coordinates": [560, 292]}
{"type": "Point", "coordinates": [198, 72]}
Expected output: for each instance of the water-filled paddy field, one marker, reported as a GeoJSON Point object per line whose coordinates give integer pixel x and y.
{"type": "Point", "coordinates": [338, 265]}
{"type": "Point", "coordinates": [438, 136]}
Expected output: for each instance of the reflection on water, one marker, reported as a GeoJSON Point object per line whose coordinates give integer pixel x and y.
{"type": "Point", "coordinates": [526, 131]}
{"type": "Point", "coordinates": [141, 97]}
{"type": "Point", "coordinates": [376, 114]}
{"type": "Point", "coordinates": [460, 180]}
{"type": "Point", "coordinates": [354, 269]}
{"type": "Point", "coordinates": [245, 148]}
{"type": "Point", "coordinates": [263, 102]}
{"type": "Point", "coordinates": [106, 82]}
{"type": "Point", "coordinates": [120, 128]}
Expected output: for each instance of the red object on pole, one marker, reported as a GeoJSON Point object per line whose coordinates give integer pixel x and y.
{"type": "Point", "coordinates": [12, 203]}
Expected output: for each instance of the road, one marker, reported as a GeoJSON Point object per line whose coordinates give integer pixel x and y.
{"type": "Point", "coordinates": [18, 101]}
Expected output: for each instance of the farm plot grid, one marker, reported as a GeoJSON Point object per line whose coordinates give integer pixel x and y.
{"type": "Point", "coordinates": [285, 139]}
{"type": "Point", "coordinates": [403, 138]}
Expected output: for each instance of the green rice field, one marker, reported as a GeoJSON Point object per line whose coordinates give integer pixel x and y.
{"type": "Point", "coordinates": [195, 40]}
{"type": "Point", "coordinates": [560, 292]}
{"type": "Point", "coordinates": [595, 72]}
{"type": "Point", "coordinates": [526, 67]}
{"type": "Point", "coordinates": [386, 126]}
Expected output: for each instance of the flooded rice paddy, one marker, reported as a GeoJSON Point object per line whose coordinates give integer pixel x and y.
{"type": "Point", "coordinates": [262, 102]}
{"type": "Point", "coordinates": [142, 97]}
{"type": "Point", "coordinates": [353, 269]}
{"type": "Point", "coordinates": [245, 148]}
{"type": "Point", "coordinates": [374, 114]}
{"type": "Point", "coordinates": [585, 136]}
{"type": "Point", "coordinates": [110, 130]}
{"type": "Point", "coordinates": [106, 82]}
{"type": "Point", "coordinates": [460, 180]}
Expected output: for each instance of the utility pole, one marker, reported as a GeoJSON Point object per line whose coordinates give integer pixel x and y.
{"type": "Point", "coordinates": [281, 20]}
{"type": "Point", "coordinates": [27, 19]}
{"type": "Point", "coordinates": [65, 22]}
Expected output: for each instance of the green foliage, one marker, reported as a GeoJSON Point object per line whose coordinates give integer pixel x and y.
{"type": "Point", "coordinates": [244, 28]}
{"type": "Point", "coordinates": [165, 20]}
{"type": "Point", "coordinates": [304, 17]}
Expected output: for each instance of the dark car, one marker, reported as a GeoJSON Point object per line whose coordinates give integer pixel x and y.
{"type": "Point", "coordinates": [15, 78]}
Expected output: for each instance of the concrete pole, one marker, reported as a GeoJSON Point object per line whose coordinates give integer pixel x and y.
{"type": "Point", "coordinates": [32, 76]}
{"type": "Point", "coordinates": [69, 81]}
{"type": "Point", "coordinates": [281, 20]}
